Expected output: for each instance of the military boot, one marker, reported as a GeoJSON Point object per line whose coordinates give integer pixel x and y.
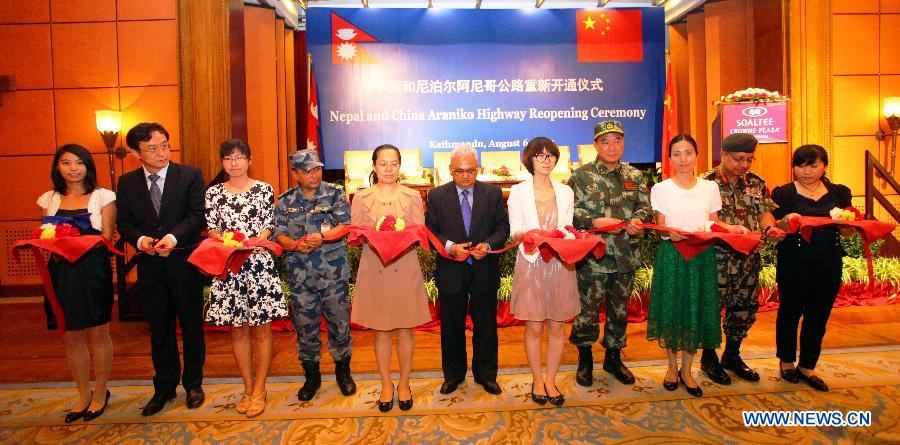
{"type": "Point", "coordinates": [709, 364]}
{"type": "Point", "coordinates": [612, 363]}
{"type": "Point", "coordinates": [731, 360]}
{"type": "Point", "coordinates": [342, 375]}
{"type": "Point", "coordinates": [585, 374]}
{"type": "Point", "coordinates": [313, 381]}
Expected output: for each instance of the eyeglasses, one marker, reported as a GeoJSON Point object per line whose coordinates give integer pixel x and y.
{"type": "Point", "coordinates": [153, 149]}
{"type": "Point", "coordinates": [468, 171]}
{"type": "Point", "coordinates": [238, 158]}
{"type": "Point", "coordinates": [544, 157]}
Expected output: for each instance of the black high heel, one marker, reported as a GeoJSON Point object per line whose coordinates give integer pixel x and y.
{"type": "Point", "coordinates": [385, 406]}
{"type": "Point", "coordinates": [91, 415]}
{"type": "Point", "coordinates": [73, 416]}
{"type": "Point", "coordinates": [540, 399]}
{"type": "Point", "coordinates": [556, 400]}
{"type": "Point", "coordinates": [695, 391]}
{"type": "Point", "coordinates": [405, 405]}
{"type": "Point", "coordinates": [670, 386]}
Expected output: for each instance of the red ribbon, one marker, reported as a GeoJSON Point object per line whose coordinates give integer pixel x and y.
{"type": "Point", "coordinates": [71, 249]}
{"type": "Point", "coordinates": [214, 258]}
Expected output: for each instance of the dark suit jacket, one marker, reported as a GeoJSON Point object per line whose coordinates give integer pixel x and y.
{"type": "Point", "coordinates": [490, 224]}
{"type": "Point", "coordinates": [181, 211]}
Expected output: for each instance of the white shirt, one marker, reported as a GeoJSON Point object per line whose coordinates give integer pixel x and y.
{"type": "Point", "coordinates": [161, 182]}
{"type": "Point", "coordinates": [459, 198]}
{"type": "Point", "coordinates": [686, 209]}
{"type": "Point", "coordinates": [100, 197]}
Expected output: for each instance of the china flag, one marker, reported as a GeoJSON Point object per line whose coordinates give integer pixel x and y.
{"type": "Point", "coordinates": [670, 120]}
{"type": "Point", "coordinates": [612, 35]}
{"type": "Point", "coordinates": [345, 42]}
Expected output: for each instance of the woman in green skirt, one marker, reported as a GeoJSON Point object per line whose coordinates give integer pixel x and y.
{"type": "Point", "coordinates": [684, 298]}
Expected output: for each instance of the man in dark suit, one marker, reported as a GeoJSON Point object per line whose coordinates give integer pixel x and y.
{"type": "Point", "coordinates": [468, 216]}
{"type": "Point", "coordinates": [161, 206]}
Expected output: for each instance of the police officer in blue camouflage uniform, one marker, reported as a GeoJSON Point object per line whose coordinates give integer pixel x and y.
{"type": "Point", "coordinates": [318, 271]}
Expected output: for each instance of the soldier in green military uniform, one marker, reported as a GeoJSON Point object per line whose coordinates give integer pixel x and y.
{"type": "Point", "coordinates": [745, 201]}
{"type": "Point", "coordinates": [607, 192]}
{"type": "Point", "coordinates": [318, 272]}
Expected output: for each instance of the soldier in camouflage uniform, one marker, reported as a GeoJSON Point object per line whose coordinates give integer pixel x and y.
{"type": "Point", "coordinates": [746, 202]}
{"type": "Point", "coordinates": [318, 272]}
{"type": "Point", "coordinates": [607, 192]}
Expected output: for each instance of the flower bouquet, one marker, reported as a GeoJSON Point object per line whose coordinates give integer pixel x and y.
{"type": "Point", "coordinates": [52, 231]}
{"type": "Point", "coordinates": [846, 214]}
{"type": "Point", "coordinates": [502, 172]}
{"type": "Point", "coordinates": [752, 95]}
{"type": "Point", "coordinates": [390, 223]}
{"type": "Point", "coordinates": [390, 237]}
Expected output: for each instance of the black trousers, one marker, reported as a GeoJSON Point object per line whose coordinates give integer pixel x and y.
{"type": "Point", "coordinates": [805, 289]}
{"type": "Point", "coordinates": [484, 332]}
{"type": "Point", "coordinates": [172, 289]}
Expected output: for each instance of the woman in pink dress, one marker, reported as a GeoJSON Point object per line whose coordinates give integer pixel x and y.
{"type": "Point", "coordinates": [389, 298]}
{"type": "Point", "coordinates": [542, 292]}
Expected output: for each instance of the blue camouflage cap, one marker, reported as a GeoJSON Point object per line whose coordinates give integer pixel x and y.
{"type": "Point", "coordinates": [307, 159]}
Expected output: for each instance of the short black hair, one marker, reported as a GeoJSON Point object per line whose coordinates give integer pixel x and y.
{"type": "Point", "coordinates": [90, 177]}
{"type": "Point", "coordinates": [683, 137]}
{"type": "Point", "coordinates": [809, 154]}
{"type": "Point", "coordinates": [142, 133]}
{"type": "Point", "coordinates": [234, 145]}
{"type": "Point", "coordinates": [535, 147]}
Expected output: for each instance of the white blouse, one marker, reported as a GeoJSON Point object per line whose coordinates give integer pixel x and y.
{"type": "Point", "coordinates": [100, 197]}
{"type": "Point", "coordinates": [686, 209]}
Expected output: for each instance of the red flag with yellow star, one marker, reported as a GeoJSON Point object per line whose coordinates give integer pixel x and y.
{"type": "Point", "coordinates": [612, 35]}
{"type": "Point", "coordinates": [670, 120]}
{"type": "Point", "coordinates": [345, 42]}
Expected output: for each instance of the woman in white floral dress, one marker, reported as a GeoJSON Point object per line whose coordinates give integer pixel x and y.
{"type": "Point", "coordinates": [251, 299]}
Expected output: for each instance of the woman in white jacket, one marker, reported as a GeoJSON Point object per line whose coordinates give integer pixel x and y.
{"type": "Point", "coordinates": [542, 292]}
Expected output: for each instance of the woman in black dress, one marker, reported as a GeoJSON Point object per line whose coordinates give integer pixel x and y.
{"type": "Point", "coordinates": [808, 275]}
{"type": "Point", "coordinates": [84, 288]}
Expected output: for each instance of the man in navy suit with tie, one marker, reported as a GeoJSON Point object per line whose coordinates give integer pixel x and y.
{"type": "Point", "coordinates": [469, 217]}
{"type": "Point", "coordinates": [160, 211]}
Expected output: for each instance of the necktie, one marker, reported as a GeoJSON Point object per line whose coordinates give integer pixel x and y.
{"type": "Point", "coordinates": [155, 192]}
{"type": "Point", "coordinates": [466, 214]}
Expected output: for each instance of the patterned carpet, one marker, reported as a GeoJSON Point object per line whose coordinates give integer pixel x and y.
{"type": "Point", "coordinates": [607, 412]}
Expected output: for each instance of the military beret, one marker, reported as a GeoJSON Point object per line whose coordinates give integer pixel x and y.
{"type": "Point", "coordinates": [740, 143]}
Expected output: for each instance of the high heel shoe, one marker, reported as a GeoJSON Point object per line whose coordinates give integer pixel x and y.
{"type": "Point", "coordinates": [540, 399]}
{"type": "Point", "coordinates": [670, 386]}
{"type": "Point", "coordinates": [385, 406]}
{"type": "Point", "coordinates": [72, 416]}
{"type": "Point", "coordinates": [257, 405]}
{"type": "Point", "coordinates": [91, 415]}
{"type": "Point", "coordinates": [695, 391]}
{"type": "Point", "coordinates": [405, 405]}
{"type": "Point", "coordinates": [242, 406]}
{"type": "Point", "coordinates": [556, 400]}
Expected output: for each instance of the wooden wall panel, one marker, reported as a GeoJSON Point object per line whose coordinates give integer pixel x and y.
{"type": "Point", "coordinates": [890, 50]}
{"type": "Point", "coordinates": [851, 6]}
{"type": "Point", "coordinates": [82, 10]}
{"type": "Point", "coordinates": [26, 123]}
{"type": "Point", "coordinates": [290, 99]}
{"type": "Point", "coordinates": [75, 121]}
{"type": "Point", "coordinates": [22, 204]}
{"type": "Point", "coordinates": [152, 104]}
{"type": "Point", "coordinates": [148, 53]}
{"type": "Point", "coordinates": [32, 11]}
{"type": "Point", "coordinates": [262, 101]}
{"type": "Point", "coordinates": [146, 10]}
{"type": "Point", "coordinates": [855, 44]}
{"type": "Point", "coordinates": [680, 59]}
{"type": "Point", "coordinates": [855, 105]}
{"type": "Point", "coordinates": [281, 92]}
{"type": "Point", "coordinates": [848, 161]}
{"type": "Point", "coordinates": [25, 53]}
{"type": "Point", "coordinates": [770, 45]}
{"type": "Point", "coordinates": [84, 55]}
{"type": "Point", "coordinates": [697, 85]}
{"type": "Point", "coordinates": [888, 6]}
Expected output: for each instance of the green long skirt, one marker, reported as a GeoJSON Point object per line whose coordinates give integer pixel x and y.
{"type": "Point", "coordinates": [684, 312]}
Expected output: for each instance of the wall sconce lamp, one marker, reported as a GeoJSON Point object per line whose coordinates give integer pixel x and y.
{"type": "Point", "coordinates": [109, 123]}
{"type": "Point", "coordinates": [892, 114]}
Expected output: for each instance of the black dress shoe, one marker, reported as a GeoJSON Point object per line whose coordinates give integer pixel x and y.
{"type": "Point", "coordinates": [405, 405]}
{"type": "Point", "coordinates": [387, 406]}
{"type": "Point", "coordinates": [814, 381]}
{"type": "Point", "coordinates": [735, 364]}
{"type": "Point", "coordinates": [91, 415]}
{"type": "Point", "coordinates": [695, 391]}
{"type": "Point", "coordinates": [540, 399]}
{"type": "Point", "coordinates": [670, 386]}
{"type": "Point", "coordinates": [556, 400]}
{"type": "Point", "coordinates": [195, 398]}
{"type": "Point", "coordinates": [790, 375]}
{"type": "Point", "coordinates": [449, 386]}
{"type": "Point", "coordinates": [156, 403]}
{"type": "Point", "coordinates": [715, 372]}
{"type": "Point", "coordinates": [491, 387]}
{"type": "Point", "coordinates": [73, 416]}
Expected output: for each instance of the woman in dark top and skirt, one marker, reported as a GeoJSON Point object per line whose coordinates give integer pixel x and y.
{"type": "Point", "coordinates": [808, 275]}
{"type": "Point", "coordinates": [84, 288]}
